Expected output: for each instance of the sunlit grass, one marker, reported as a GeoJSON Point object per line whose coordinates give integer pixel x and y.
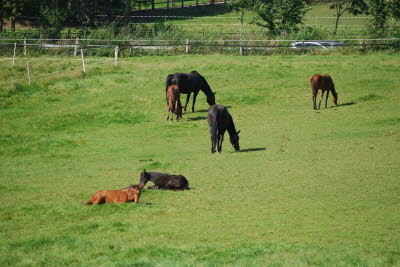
{"type": "Point", "coordinates": [309, 187]}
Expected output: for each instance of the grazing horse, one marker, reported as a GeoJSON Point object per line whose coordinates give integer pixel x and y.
{"type": "Point", "coordinates": [325, 83]}
{"type": "Point", "coordinates": [163, 181]}
{"type": "Point", "coordinates": [191, 82]}
{"type": "Point", "coordinates": [174, 102]}
{"type": "Point", "coordinates": [128, 194]}
{"type": "Point", "coordinates": [219, 120]}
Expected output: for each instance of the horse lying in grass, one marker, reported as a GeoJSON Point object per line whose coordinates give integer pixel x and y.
{"type": "Point", "coordinates": [129, 194]}
{"type": "Point", "coordinates": [163, 181]}
{"type": "Point", "coordinates": [219, 120]}
{"type": "Point", "coordinates": [174, 102]}
{"type": "Point", "coordinates": [325, 83]}
{"type": "Point", "coordinates": [189, 83]}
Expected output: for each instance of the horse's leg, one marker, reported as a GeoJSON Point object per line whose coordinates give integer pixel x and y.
{"type": "Point", "coordinates": [214, 139]}
{"type": "Point", "coordinates": [314, 98]}
{"type": "Point", "coordinates": [194, 99]}
{"type": "Point", "coordinates": [220, 139]}
{"type": "Point", "coordinates": [326, 100]}
{"type": "Point", "coordinates": [187, 100]}
{"type": "Point", "coordinates": [322, 96]}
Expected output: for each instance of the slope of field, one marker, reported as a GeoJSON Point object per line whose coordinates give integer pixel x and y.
{"type": "Point", "coordinates": [308, 187]}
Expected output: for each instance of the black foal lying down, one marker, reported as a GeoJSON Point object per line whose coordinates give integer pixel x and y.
{"type": "Point", "coordinates": [163, 181]}
{"type": "Point", "coordinates": [219, 120]}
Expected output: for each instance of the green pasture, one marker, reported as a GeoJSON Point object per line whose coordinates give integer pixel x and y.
{"type": "Point", "coordinates": [307, 188]}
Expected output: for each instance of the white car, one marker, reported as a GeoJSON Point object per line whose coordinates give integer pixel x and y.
{"type": "Point", "coordinates": [316, 44]}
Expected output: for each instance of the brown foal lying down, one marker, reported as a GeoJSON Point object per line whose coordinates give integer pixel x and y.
{"type": "Point", "coordinates": [129, 194]}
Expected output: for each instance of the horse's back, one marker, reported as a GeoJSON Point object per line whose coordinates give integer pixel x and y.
{"type": "Point", "coordinates": [324, 82]}
{"type": "Point", "coordinates": [219, 114]}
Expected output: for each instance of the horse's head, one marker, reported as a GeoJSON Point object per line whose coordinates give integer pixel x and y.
{"type": "Point", "coordinates": [211, 99]}
{"type": "Point", "coordinates": [134, 193]}
{"type": "Point", "coordinates": [235, 141]}
{"type": "Point", "coordinates": [144, 178]}
{"type": "Point", "coordinates": [335, 97]}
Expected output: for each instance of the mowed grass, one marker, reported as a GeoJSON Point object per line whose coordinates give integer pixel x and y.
{"type": "Point", "coordinates": [308, 187]}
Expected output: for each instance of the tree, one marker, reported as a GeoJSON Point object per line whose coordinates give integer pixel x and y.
{"type": "Point", "coordinates": [281, 15]}
{"type": "Point", "coordinates": [241, 6]}
{"type": "Point", "coordinates": [12, 9]}
{"type": "Point", "coordinates": [379, 12]}
{"type": "Point", "coordinates": [1, 15]}
{"type": "Point", "coordinates": [355, 7]}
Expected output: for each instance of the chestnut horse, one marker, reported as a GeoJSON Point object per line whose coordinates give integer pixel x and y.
{"type": "Point", "coordinates": [219, 120]}
{"type": "Point", "coordinates": [129, 194]}
{"type": "Point", "coordinates": [325, 83]}
{"type": "Point", "coordinates": [174, 102]}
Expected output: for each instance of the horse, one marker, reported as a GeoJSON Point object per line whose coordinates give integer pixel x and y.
{"type": "Point", "coordinates": [174, 102]}
{"type": "Point", "coordinates": [128, 194]}
{"type": "Point", "coordinates": [219, 120]}
{"type": "Point", "coordinates": [163, 181]}
{"type": "Point", "coordinates": [325, 83]}
{"type": "Point", "coordinates": [189, 83]}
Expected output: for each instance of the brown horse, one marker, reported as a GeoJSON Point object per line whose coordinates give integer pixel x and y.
{"type": "Point", "coordinates": [325, 83]}
{"type": "Point", "coordinates": [129, 194]}
{"type": "Point", "coordinates": [174, 102]}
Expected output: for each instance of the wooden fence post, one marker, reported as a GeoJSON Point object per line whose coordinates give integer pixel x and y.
{"type": "Point", "coordinates": [83, 62]}
{"type": "Point", "coordinates": [187, 46]}
{"type": "Point", "coordinates": [25, 46]}
{"type": "Point", "coordinates": [29, 73]}
{"type": "Point", "coordinates": [302, 46]}
{"type": "Point", "coordinates": [15, 53]}
{"type": "Point", "coordinates": [361, 46]}
{"type": "Point", "coordinates": [130, 47]}
{"type": "Point", "coordinates": [76, 47]}
{"type": "Point", "coordinates": [116, 55]}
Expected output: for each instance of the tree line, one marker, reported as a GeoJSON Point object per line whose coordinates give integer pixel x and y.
{"type": "Point", "coordinates": [276, 15]}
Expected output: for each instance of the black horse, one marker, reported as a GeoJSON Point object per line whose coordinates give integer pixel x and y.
{"type": "Point", "coordinates": [163, 181]}
{"type": "Point", "coordinates": [188, 83]}
{"type": "Point", "coordinates": [219, 120]}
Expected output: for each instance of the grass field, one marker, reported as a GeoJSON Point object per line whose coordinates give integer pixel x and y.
{"type": "Point", "coordinates": [308, 188]}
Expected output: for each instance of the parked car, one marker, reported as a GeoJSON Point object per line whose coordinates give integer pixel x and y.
{"type": "Point", "coordinates": [316, 44]}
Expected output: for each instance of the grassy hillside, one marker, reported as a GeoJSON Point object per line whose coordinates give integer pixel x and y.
{"type": "Point", "coordinates": [308, 187]}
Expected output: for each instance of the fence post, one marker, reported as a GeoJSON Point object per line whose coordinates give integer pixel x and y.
{"type": "Point", "coordinates": [15, 52]}
{"type": "Point", "coordinates": [29, 73]}
{"type": "Point", "coordinates": [187, 46]}
{"type": "Point", "coordinates": [302, 46]}
{"type": "Point", "coordinates": [83, 62]}
{"type": "Point", "coordinates": [25, 46]}
{"type": "Point", "coordinates": [76, 47]}
{"type": "Point", "coordinates": [361, 46]}
{"type": "Point", "coordinates": [130, 47]}
{"type": "Point", "coordinates": [116, 55]}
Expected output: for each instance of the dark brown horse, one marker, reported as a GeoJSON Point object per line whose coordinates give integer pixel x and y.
{"type": "Point", "coordinates": [129, 194]}
{"type": "Point", "coordinates": [189, 83]}
{"type": "Point", "coordinates": [174, 102]}
{"type": "Point", "coordinates": [163, 181]}
{"type": "Point", "coordinates": [323, 83]}
{"type": "Point", "coordinates": [219, 120]}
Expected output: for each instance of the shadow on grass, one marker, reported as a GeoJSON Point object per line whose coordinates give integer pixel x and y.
{"type": "Point", "coordinates": [345, 104]}
{"type": "Point", "coordinates": [252, 149]}
{"type": "Point", "coordinates": [198, 118]}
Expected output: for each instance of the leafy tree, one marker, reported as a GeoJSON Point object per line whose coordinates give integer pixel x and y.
{"type": "Point", "coordinates": [12, 9]}
{"type": "Point", "coordinates": [281, 15]}
{"type": "Point", "coordinates": [355, 7]}
{"type": "Point", "coordinates": [241, 6]}
{"type": "Point", "coordinates": [379, 12]}
{"type": "Point", "coordinates": [394, 9]}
